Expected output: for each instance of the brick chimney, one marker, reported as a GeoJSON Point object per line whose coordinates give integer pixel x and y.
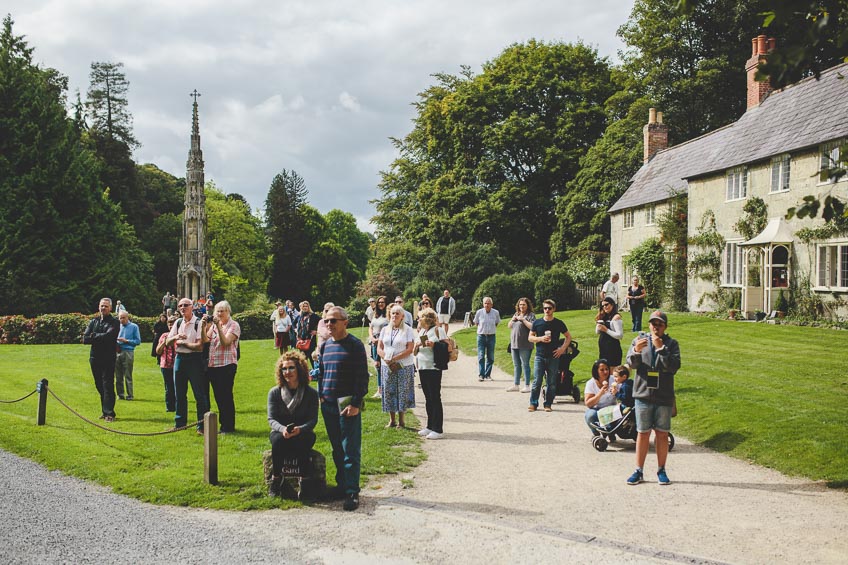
{"type": "Point", "coordinates": [757, 91]}
{"type": "Point", "coordinates": [655, 134]}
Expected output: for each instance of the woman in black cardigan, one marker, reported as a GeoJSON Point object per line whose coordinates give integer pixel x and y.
{"type": "Point", "coordinates": [292, 414]}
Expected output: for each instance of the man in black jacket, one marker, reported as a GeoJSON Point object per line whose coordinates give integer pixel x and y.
{"type": "Point", "coordinates": [102, 335]}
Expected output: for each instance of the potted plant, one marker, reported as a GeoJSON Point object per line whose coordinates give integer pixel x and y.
{"type": "Point", "coordinates": [781, 305]}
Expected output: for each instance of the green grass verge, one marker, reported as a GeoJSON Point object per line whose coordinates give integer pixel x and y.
{"type": "Point", "coordinates": [166, 469]}
{"type": "Point", "coordinates": [775, 395]}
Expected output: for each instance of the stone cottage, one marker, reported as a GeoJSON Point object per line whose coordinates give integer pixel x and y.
{"type": "Point", "coordinates": [775, 152]}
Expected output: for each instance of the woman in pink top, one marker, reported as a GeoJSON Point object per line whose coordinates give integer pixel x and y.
{"type": "Point", "coordinates": [222, 334]}
{"type": "Point", "coordinates": [167, 354]}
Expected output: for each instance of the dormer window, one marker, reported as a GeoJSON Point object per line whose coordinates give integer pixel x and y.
{"type": "Point", "coordinates": [737, 183]}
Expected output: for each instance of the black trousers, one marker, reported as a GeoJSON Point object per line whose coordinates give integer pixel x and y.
{"type": "Point", "coordinates": [222, 380]}
{"type": "Point", "coordinates": [103, 372]}
{"type": "Point", "coordinates": [300, 445]}
{"type": "Point", "coordinates": [431, 385]}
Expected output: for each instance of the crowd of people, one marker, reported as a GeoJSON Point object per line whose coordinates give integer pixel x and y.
{"type": "Point", "coordinates": [653, 357]}
{"type": "Point", "coordinates": [197, 350]}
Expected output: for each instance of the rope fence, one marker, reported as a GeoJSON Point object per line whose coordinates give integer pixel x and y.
{"type": "Point", "coordinates": [18, 400]}
{"type": "Point", "coordinates": [209, 421]}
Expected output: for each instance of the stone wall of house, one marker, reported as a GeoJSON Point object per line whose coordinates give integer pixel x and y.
{"type": "Point", "coordinates": [709, 193]}
{"type": "Point", "coordinates": [622, 239]}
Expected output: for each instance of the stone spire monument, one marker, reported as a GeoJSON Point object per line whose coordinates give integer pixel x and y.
{"type": "Point", "coordinates": [194, 273]}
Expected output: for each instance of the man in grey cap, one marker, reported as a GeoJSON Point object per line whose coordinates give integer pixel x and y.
{"type": "Point", "coordinates": [655, 357]}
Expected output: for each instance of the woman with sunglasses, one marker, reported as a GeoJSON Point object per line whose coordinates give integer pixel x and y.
{"type": "Point", "coordinates": [610, 329]}
{"type": "Point", "coordinates": [395, 345]}
{"type": "Point", "coordinates": [378, 322]}
{"type": "Point", "coordinates": [292, 415]}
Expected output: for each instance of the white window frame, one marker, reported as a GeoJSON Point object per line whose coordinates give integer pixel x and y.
{"type": "Point", "coordinates": [732, 267]}
{"type": "Point", "coordinates": [828, 156]}
{"type": "Point", "coordinates": [629, 218]}
{"type": "Point", "coordinates": [832, 266]}
{"type": "Point", "coordinates": [781, 167]}
{"type": "Point", "coordinates": [651, 215]}
{"type": "Point", "coordinates": [737, 184]}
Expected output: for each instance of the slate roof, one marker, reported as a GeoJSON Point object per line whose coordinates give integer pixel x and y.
{"type": "Point", "coordinates": [805, 114]}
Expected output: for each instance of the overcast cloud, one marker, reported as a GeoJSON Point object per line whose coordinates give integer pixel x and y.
{"type": "Point", "coordinates": [315, 86]}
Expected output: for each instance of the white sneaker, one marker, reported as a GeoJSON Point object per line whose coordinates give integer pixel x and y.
{"type": "Point", "coordinates": [526, 389]}
{"type": "Point", "coordinates": [425, 432]}
{"type": "Point", "coordinates": [434, 435]}
{"type": "Point", "coordinates": [513, 388]}
{"type": "Point", "coordinates": [377, 395]}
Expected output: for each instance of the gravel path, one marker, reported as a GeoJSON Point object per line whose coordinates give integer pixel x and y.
{"type": "Point", "coordinates": [503, 486]}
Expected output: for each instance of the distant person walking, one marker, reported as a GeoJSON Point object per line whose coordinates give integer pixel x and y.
{"type": "Point", "coordinates": [102, 335]}
{"type": "Point", "coordinates": [166, 301]}
{"type": "Point", "coordinates": [656, 359]}
{"type": "Point", "coordinates": [636, 298]}
{"type": "Point", "coordinates": [610, 288]}
{"type": "Point", "coordinates": [128, 339]}
{"type": "Point", "coordinates": [519, 343]}
{"type": "Point", "coordinates": [445, 307]}
{"type": "Point", "coordinates": [487, 320]}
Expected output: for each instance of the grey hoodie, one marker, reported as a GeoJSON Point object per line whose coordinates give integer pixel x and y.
{"type": "Point", "coordinates": [667, 362]}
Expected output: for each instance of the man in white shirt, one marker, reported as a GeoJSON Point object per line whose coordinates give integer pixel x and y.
{"type": "Point", "coordinates": [610, 289]}
{"type": "Point", "coordinates": [486, 319]}
{"type": "Point", "coordinates": [187, 334]}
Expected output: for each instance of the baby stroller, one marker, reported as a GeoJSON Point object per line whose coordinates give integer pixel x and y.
{"type": "Point", "coordinates": [623, 428]}
{"type": "Point", "coordinates": [565, 379]}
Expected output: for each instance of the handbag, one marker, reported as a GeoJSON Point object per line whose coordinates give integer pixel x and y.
{"type": "Point", "coordinates": [303, 344]}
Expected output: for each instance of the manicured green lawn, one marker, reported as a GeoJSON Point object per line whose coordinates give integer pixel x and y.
{"type": "Point", "coordinates": [774, 395]}
{"type": "Point", "coordinates": [165, 469]}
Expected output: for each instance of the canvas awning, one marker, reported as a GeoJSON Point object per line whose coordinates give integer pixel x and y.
{"type": "Point", "coordinates": [776, 231]}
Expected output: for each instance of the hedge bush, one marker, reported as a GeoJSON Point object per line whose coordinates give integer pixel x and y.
{"type": "Point", "coordinates": [557, 284]}
{"type": "Point", "coordinates": [504, 291]}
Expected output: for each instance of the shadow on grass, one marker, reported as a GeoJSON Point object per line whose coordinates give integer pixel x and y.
{"type": "Point", "coordinates": [724, 441]}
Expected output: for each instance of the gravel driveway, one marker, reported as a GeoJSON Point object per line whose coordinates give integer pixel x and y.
{"type": "Point", "coordinates": [503, 486]}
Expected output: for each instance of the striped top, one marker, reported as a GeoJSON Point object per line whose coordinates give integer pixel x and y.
{"type": "Point", "coordinates": [344, 370]}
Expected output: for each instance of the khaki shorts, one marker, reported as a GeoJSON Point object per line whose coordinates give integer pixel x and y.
{"type": "Point", "coordinates": [444, 318]}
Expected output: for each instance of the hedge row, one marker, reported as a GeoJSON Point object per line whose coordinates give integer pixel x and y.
{"type": "Point", "coordinates": [68, 328]}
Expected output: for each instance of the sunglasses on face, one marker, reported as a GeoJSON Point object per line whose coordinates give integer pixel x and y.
{"type": "Point", "coordinates": [334, 320]}
{"type": "Point", "coordinates": [547, 308]}
{"type": "Point", "coordinates": [288, 369]}
{"type": "Point", "coordinates": [181, 306]}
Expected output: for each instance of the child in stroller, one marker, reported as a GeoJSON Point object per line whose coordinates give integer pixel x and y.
{"type": "Point", "coordinates": [619, 421]}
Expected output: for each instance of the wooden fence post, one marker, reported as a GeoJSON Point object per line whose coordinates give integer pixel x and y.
{"type": "Point", "coordinates": [41, 386]}
{"type": "Point", "coordinates": [210, 448]}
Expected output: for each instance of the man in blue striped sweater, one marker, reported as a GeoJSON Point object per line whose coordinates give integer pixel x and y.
{"type": "Point", "coordinates": [342, 386]}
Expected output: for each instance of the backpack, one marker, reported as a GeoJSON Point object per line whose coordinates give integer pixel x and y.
{"type": "Point", "coordinates": [453, 351]}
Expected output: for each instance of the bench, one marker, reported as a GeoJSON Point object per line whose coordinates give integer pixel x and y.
{"type": "Point", "coordinates": [308, 486]}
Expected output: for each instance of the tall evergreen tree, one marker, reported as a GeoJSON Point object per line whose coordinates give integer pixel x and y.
{"type": "Point", "coordinates": [62, 246]}
{"type": "Point", "coordinates": [287, 238]}
{"type": "Point", "coordinates": [107, 102]}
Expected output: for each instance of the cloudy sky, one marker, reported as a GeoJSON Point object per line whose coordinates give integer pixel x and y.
{"type": "Point", "coordinates": [316, 86]}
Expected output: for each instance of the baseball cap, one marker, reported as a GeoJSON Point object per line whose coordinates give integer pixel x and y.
{"type": "Point", "coordinates": [658, 315]}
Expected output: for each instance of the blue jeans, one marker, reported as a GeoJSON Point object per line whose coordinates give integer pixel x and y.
{"type": "Point", "coordinates": [636, 313]}
{"type": "Point", "coordinates": [485, 354]}
{"type": "Point", "coordinates": [376, 357]}
{"type": "Point", "coordinates": [548, 366]}
{"type": "Point", "coordinates": [590, 416]}
{"type": "Point", "coordinates": [188, 369]}
{"type": "Point", "coordinates": [345, 435]}
{"type": "Point", "coordinates": [521, 360]}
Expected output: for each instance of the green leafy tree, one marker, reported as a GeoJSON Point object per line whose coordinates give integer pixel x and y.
{"type": "Point", "coordinates": [355, 243]}
{"type": "Point", "coordinates": [691, 65]}
{"type": "Point", "coordinates": [488, 152]}
{"type": "Point", "coordinates": [705, 260]}
{"type": "Point", "coordinates": [238, 247]}
{"type": "Point", "coordinates": [162, 242]}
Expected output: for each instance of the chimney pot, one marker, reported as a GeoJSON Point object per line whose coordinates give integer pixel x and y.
{"type": "Point", "coordinates": [655, 135]}
{"type": "Point", "coordinates": [762, 41]}
{"type": "Point", "coordinates": [659, 117]}
{"type": "Point", "coordinates": [652, 116]}
{"type": "Point", "coordinates": [772, 44]}
{"type": "Point", "coordinates": [754, 47]}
